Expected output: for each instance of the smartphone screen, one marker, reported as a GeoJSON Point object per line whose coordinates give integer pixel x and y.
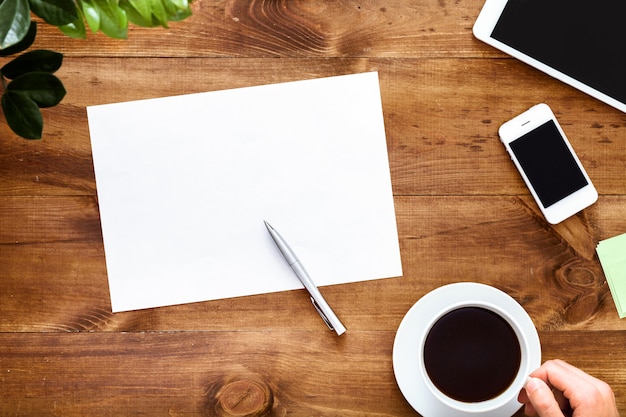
{"type": "Point", "coordinates": [580, 38]}
{"type": "Point", "coordinates": [548, 163]}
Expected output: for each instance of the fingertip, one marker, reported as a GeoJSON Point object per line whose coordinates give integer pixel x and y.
{"type": "Point", "coordinates": [533, 384]}
{"type": "Point", "coordinates": [541, 400]}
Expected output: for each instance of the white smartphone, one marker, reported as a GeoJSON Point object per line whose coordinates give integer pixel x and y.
{"type": "Point", "coordinates": [545, 159]}
{"type": "Point", "coordinates": [579, 42]}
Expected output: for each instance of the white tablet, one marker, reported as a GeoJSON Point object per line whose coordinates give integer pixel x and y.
{"type": "Point", "coordinates": [580, 42]}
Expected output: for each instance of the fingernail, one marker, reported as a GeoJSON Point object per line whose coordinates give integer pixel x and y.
{"type": "Point", "coordinates": [531, 384]}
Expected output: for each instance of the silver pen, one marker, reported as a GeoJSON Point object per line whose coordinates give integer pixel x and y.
{"type": "Point", "coordinates": [320, 304]}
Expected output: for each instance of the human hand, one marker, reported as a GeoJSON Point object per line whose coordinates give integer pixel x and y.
{"type": "Point", "coordinates": [558, 389]}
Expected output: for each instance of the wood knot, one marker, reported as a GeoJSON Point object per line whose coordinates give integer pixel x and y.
{"type": "Point", "coordinates": [244, 398]}
{"type": "Point", "coordinates": [577, 275]}
{"type": "Point", "coordinates": [583, 281]}
{"type": "Point", "coordinates": [285, 26]}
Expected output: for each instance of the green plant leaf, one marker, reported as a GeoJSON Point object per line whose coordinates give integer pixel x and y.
{"type": "Point", "coordinates": [112, 19]}
{"type": "Point", "coordinates": [181, 15]}
{"type": "Point", "coordinates": [118, 20]}
{"type": "Point", "coordinates": [150, 13]}
{"type": "Point", "coordinates": [177, 9]}
{"type": "Point", "coordinates": [91, 15]}
{"type": "Point", "coordinates": [43, 88]}
{"type": "Point", "coordinates": [14, 22]}
{"type": "Point", "coordinates": [159, 12]}
{"type": "Point", "coordinates": [76, 29]}
{"type": "Point", "coordinates": [136, 17]}
{"type": "Point", "coordinates": [23, 115]}
{"type": "Point", "coordinates": [179, 4]}
{"type": "Point", "coordinates": [139, 12]}
{"type": "Point", "coordinates": [33, 61]}
{"type": "Point", "coordinates": [55, 12]}
{"type": "Point", "coordinates": [24, 44]}
{"type": "Point", "coordinates": [180, 9]}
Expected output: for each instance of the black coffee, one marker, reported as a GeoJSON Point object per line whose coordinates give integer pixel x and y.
{"type": "Point", "coordinates": [472, 354]}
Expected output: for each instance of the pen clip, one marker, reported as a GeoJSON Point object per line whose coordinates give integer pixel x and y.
{"type": "Point", "coordinates": [319, 310]}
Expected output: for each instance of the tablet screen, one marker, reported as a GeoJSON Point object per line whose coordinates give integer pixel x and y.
{"type": "Point", "coordinates": [583, 39]}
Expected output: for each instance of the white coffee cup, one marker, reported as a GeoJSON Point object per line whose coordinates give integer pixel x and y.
{"type": "Point", "coordinates": [412, 374]}
{"type": "Point", "coordinates": [508, 393]}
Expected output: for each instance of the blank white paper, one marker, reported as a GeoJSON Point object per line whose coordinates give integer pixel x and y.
{"type": "Point", "coordinates": [184, 184]}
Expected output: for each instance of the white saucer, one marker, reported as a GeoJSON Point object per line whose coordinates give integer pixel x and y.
{"type": "Point", "coordinates": [408, 366]}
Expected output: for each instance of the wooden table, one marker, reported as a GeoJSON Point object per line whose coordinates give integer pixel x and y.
{"type": "Point", "coordinates": [463, 214]}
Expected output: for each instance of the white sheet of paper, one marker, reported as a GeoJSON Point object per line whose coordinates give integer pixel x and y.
{"type": "Point", "coordinates": [184, 184]}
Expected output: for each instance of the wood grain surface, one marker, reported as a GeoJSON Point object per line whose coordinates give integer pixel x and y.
{"type": "Point", "coordinates": [463, 214]}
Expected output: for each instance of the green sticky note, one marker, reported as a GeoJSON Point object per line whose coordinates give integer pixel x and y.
{"type": "Point", "coordinates": [612, 254]}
